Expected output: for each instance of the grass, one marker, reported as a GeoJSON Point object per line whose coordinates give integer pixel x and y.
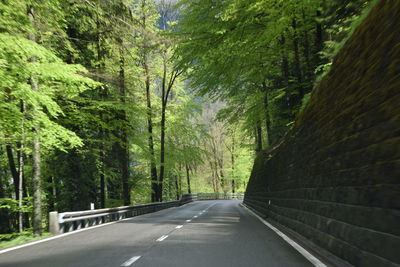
{"type": "Point", "coordinates": [23, 238]}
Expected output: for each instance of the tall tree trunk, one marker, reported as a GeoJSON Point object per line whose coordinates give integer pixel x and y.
{"type": "Point", "coordinates": [153, 167]}
{"type": "Point", "coordinates": [309, 72]}
{"type": "Point", "coordinates": [319, 35]}
{"type": "Point", "coordinates": [306, 52]}
{"type": "Point", "coordinates": [25, 193]}
{"type": "Point", "coordinates": [285, 70]}
{"type": "Point", "coordinates": [21, 169]}
{"type": "Point", "coordinates": [163, 120]}
{"type": "Point", "coordinates": [13, 169]}
{"type": "Point", "coordinates": [267, 115]}
{"type": "Point", "coordinates": [285, 62]}
{"type": "Point", "coordinates": [213, 178]}
{"type": "Point", "coordinates": [103, 133]}
{"type": "Point", "coordinates": [3, 174]}
{"type": "Point", "coordinates": [37, 184]}
{"type": "Point", "coordinates": [188, 178]}
{"type": "Point", "coordinates": [177, 191]}
{"type": "Point", "coordinates": [4, 213]}
{"type": "Point", "coordinates": [297, 64]}
{"type": "Point", "coordinates": [233, 163]}
{"type": "Point", "coordinates": [124, 155]}
{"type": "Point", "coordinates": [222, 175]}
{"type": "Point", "coordinates": [165, 93]}
{"type": "Point", "coordinates": [258, 136]}
{"type": "Point", "coordinates": [102, 188]}
{"type": "Point", "coordinates": [37, 202]}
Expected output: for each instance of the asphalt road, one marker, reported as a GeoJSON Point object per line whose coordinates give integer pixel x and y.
{"type": "Point", "coordinates": [203, 233]}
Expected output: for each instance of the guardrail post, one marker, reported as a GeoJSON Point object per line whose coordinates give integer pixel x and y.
{"type": "Point", "coordinates": [71, 227]}
{"type": "Point", "coordinates": [78, 225]}
{"type": "Point", "coordinates": [54, 227]}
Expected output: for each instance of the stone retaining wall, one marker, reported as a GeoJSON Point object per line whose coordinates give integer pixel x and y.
{"type": "Point", "coordinates": [335, 178]}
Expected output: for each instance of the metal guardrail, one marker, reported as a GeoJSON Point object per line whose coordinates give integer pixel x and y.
{"type": "Point", "coordinates": [211, 196]}
{"type": "Point", "coordinates": [70, 221]}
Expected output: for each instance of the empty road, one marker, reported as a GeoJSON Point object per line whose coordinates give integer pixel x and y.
{"type": "Point", "coordinates": [203, 233]}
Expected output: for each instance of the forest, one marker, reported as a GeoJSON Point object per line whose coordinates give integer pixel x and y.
{"type": "Point", "coordinates": [120, 102]}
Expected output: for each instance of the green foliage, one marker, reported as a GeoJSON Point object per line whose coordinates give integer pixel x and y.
{"type": "Point", "coordinates": [55, 78]}
{"type": "Point", "coordinates": [340, 18]}
{"type": "Point", "coordinates": [237, 52]}
{"type": "Point", "coordinates": [93, 62]}
{"type": "Point", "coordinates": [12, 205]}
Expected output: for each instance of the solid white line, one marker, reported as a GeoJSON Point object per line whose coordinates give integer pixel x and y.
{"type": "Point", "coordinates": [296, 246]}
{"type": "Point", "coordinates": [58, 236]}
{"type": "Point", "coordinates": [130, 261]}
{"type": "Point", "coordinates": [162, 238]}
{"type": "Point", "coordinates": [188, 220]}
{"type": "Point", "coordinates": [179, 226]}
{"type": "Point", "coordinates": [69, 233]}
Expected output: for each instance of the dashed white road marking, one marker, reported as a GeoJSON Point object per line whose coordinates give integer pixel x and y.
{"type": "Point", "coordinates": [179, 226]}
{"type": "Point", "coordinates": [188, 220]}
{"type": "Point", "coordinates": [162, 238]}
{"type": "Point", "coordinates": [195, 216]}
{"type": "Point", "coordinates": [71, 233]}
{"type": "Point", "coordinates": [296, 246]}
{"type": "Point", "coordinates": [130, 261]}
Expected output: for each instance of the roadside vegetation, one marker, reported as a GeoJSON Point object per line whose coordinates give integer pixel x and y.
{"type": "Point", "coordinates": [135, 101]}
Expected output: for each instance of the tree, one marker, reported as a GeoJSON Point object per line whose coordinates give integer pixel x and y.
{"type": "Point", "coordinates": [29, 67]}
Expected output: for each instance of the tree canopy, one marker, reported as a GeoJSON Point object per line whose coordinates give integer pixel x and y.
{"type": "Point", "coordinates": [133, 101]}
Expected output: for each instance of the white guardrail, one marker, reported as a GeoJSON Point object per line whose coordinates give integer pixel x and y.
{"type": "Point", "coordinates": [70, 221]}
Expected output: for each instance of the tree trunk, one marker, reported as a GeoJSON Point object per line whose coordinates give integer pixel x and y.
{"type": "Point", "coordinates": [162, 153]}
{"type": "Point", "coordinates": [213, 178]}
{"type": "Point", "coordinates": [21, 170]}
{"type": "Point", "coordinates": [177, 191]}
{"type": "Point", "coordinates": [233, 163]}
{"type": "Point", "coordinates": [13, 169]}
{"type": "Point", "coordinates": [37, 185]}
{"type": "Point", "coordinates": [124, 155]}
{"type": "Point", "coordinates": [165, 92]}
{"type": "Point", "coordinates": [25, 193]}
{"type": "Point", "coordinates": [267, 116]}
{"type": "Point", "coordinates": [285, 62]}
{"type": "Point", "coordinates": [188, 178]}
{"type": "Point", "coordinates": [222, 175]}
{"type": "Point", "coordinates": [99, 70]}
{"type": "Point", "coordinates": [319, 36]}
{"type": "Point", "coordinates": [153, 167]}
{"type": "Point", "coordinates": [306, 52]}
{"type": "Point", "coordinates": [297, 65]}
{"type": "Point", "coordinates": [4, 213]}
{"type": "Point", "coordinates": [162, 139]}
{"type": "Point", "coordinates": [102, 189]}
{"type": "Point", "coordinates": [258, 136]}
{"type": "Point", "coordinates": [37, 202]}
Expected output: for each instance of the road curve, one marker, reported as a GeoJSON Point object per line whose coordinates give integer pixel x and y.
{"type": "Point", "coordinates": [203, 233]}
